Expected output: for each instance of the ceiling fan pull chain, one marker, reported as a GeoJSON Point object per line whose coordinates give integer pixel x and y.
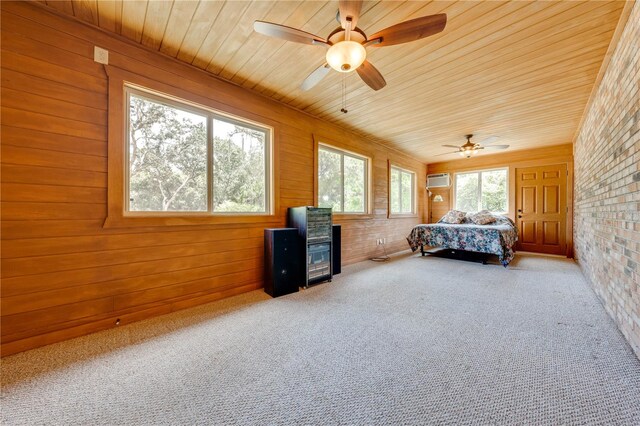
{"type": "Point", "coordinates": [344, 94]}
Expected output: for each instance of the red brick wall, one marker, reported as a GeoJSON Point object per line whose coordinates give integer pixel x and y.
{"type": "Point", "coordinates": [607, 186]}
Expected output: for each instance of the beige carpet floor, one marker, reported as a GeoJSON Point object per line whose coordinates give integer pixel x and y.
{"type": "Point", "coordinates": [411, 341]}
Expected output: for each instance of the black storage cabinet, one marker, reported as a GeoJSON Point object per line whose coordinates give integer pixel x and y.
{"type": "Point", "coordinates": [315, 234]}
{"type": "Point", "coordinates": [281, 261]}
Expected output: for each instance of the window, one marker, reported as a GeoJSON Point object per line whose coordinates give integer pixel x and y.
{"type": "Point", "coordinates": [342, 180]}
{"type": "Point", "coordinates": [482, 190]}
{"type": "Point", "coordinates": [401, 191]}
{"type": "Point", "coordinates": [188, 159]}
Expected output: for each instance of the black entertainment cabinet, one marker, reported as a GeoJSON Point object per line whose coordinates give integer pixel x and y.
{"type": "Point", "coordinates": [315, 235]}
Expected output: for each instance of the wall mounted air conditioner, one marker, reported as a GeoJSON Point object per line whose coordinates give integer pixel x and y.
{"type": "Point", "coordinates": [440, 180]}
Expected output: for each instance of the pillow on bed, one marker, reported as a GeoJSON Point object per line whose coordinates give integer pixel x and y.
{"type": "Point", "coordinates": [476, 213]}
{"type": "Point", "coordinates": [453, 216]}
{"type": "Point", "coordinates": [483, 217]}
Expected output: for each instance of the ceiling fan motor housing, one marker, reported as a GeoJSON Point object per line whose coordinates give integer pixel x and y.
{"type": "Point", "coordinates": [339, 34]}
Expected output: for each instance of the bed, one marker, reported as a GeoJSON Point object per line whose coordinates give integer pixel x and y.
{"type": "Point", "coordinates": [497, 238]}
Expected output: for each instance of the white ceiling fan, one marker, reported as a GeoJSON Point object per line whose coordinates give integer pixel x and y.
{"type": "Point", "coordinates": [469, 148]}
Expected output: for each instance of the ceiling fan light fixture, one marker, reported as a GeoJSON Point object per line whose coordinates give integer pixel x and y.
{"type": "Point", "coordinates": [467, 151]}
{"type": "Point", "coordinates": [346, 56]}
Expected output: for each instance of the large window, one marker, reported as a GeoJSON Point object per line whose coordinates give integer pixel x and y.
{"type": "Point", "coordinates": [402, 191]}
{"type": "Point", "coordinates": [342, 180]}
{"type": "Point", "coordinates": [482, 190]}
{"type": "Point", "coordinates": [183, 158]}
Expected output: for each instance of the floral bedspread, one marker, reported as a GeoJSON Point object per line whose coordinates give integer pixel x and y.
{"type": "Point", "coordinates": [497, 238]}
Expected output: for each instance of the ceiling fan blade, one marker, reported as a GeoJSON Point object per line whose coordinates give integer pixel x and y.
{"type": "Point", "coordinates": [451, 146]}
{"type": "Point", "coordinates": [489, 140]}
{"type": "Point", "coordinates": [315, 77]}
{"type": "Point", "coordinates": [497, 147]}
{"type": "Point", "coordinates": [349, 9]}
{"type": "Point", "coordinates": [371, 76]}
{"type": "Point", "coordinates": [286, 33]}
{"type": "Point", "coordinates": [447, 153]}
{"type": "Point", "coordinates": [407, 31]}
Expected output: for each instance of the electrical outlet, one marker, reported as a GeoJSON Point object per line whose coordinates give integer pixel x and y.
{"type": "Point", "coordinates": [100, 55]}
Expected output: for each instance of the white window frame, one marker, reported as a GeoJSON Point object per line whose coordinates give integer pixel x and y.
{"type": "Point", "coordinates": [367, 165]}
{"type": "Point", "coordinates": [210, 115]}
{"type": "Point", "coordinates": [479, 173]}
{"type": "Point", "coordinates": [399, 189]}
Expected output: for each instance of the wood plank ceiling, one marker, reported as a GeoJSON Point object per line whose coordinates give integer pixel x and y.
{"type": "Point", "coordinates": [519, 70]}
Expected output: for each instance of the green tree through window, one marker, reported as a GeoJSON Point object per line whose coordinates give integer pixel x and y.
{"type": "Point", "coordinates": [482, 190]}
{"type": "Point", "coordinates": [402, 190]}
{"type": "Point", "coordinates": [238, 168]}
{"type": "Point", "coordinates": [342, 181]}
{"type": "Point", "coordinates": [182, 159]}
{"type": "Point", "coordinates": [167, 158]}
{"type": "Point", "coordinates": [330, 180]}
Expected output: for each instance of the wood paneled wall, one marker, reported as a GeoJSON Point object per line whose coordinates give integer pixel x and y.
{"type": "Point", "coordinates": [559, 154]}
{"type": "Point", "coordinates": [63, 273]}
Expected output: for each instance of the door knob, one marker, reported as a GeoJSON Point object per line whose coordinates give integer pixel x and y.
{"type": "Point", "coordinates": [519, 216]}
{"type": "Point", "coordinates": [519, 210]}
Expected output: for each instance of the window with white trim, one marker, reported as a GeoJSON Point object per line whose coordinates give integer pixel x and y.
{"type": "Point", "coordinates": [402, 189]}
{"type": "Point", "coordinates": [183, 158]}
{"type": "Point", "coordinates": [482, 190]}
{"type": "Point", "coordinates": [342, 180]}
